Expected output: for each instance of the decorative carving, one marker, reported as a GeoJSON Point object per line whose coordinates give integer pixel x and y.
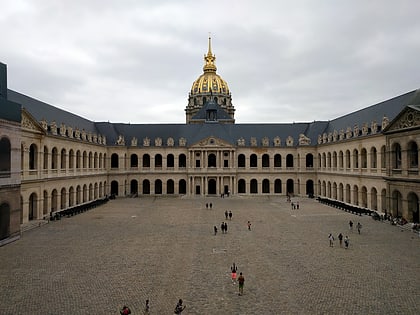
{"type": "Point", "coordinates": [324, 137]}
{"type": "Point", "coordinates": [53, 128]}
{"type": "Point", "coordinates": [134, 142]}
{"type": "Point", "coordinates": [356, 130]}
{"type": "Point", "coordinates": [365, 129]}
{"type": "Point", "coordinates": [253, 141]}
{"type": "Point", "coordinates": [182, 142]}
{"type": "Point", "coordinates": [63, 130]}
{"type": "Point", "coordinates": [304, 140]}
{"type": "Point", "coordinates": [89, 137]}
{"type": "Point", "coordinates": [120, 140]}
{"type": "Point", "coordinates": [342, 134]}
{"type": "Point", "coordinates": [330, 137]}
{"type": "Point", "coordinates": [277, 141]}
{"type": "Point", "coordinates": [104, 140]}
{"type": "Point", "coordinates": [70, 132]}
{"type": "Point", "coordinates": [27, 123]}
{"type": "Point", "coordinates": [319, 139]}
{"type": "Point", "coordinates": [265, 142]}
{"type": "Point", "coordinates": [335, 135]}
{"type": "Point", "coordinates": [385, 122]}
{"type": "Point", "coordinates": [170, 142]}
{"type": "Point", "coordinates": [83, 134]}
{"type": "Point", "coordinates": [374, 127]}
{"type": "Point", "coordinates": [410, 118]}
{"type": "Point", "coordinates": [289, 141]}
{"type": "Point", "coordinates": [158, 142]}
{"type": "Point", "coordinates": [349, 133]}
{"type": "Point", "coordinates": [95, 138]}
{"type": "Point", "coordinates": [146, 142]}
{"type": "Point", "coordinates": [44, 124]}
{"type": "Point", "coordinates": [241, 142]}
{"type": "Point", "coordinates": [77, 133]}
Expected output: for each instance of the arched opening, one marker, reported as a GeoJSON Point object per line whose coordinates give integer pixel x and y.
{"type": "Point", "coordinates": [146, 160]}
{"type": "Point", "coordinates": [158, 187]}
{"type": "Point", "coordinates": [33, 206]}
{"type": "Point", "coordinates": [114, 160]}
{"type": "Point", "coordinates": [63, 161]}
{"type": "Point", "coordinates": [265, 161]}
{"type": "Point", "coordinates": [374, 199]}
{"type": "Point", "coordinates": [289, 160]}
{"type": "Point", "coordinates": [241, 186]}
{"type": "Point", "coordinates": [277, 160]}
{"type": "Point", "coordinates": [71, 197]}
{"type": "Point", "coordinates": [182, 186]}
{"type": "Point", "coordinates": [310, 188]}
{"type": "Point", "coordinates": [134, 161]}
{"type": "Point", "coordinates": [290, 187]}
{"type": "Point", "coordinates": [266, 186]}
{"type": "Point", "coordinates": [79, 194]}
{"type": "Point", "coordinates": [158, 161]}
{"type": "Point", "coordinates": [54, 201]}
{"type": "Point", "coordinates": [33, 154]}
{"type": "Point", "coordinates": [373, 158]}
{"type": "Point", "coordinates": [309, 160]}
{"type": "Point", "coordinates": [170, 161]}
{"type": "Point", "coordinates": [277, 186]}
{"type": "Point", "coordinates": [5, 158]}
{"type": "Point", "coordinates": [211, 160]}
{"type": "Point", "coordinates": [114, 188]}
{"type": "Point", "coordinates": [241, 160]}
{"type": "Point", "coordinates": [413, 155]}
{"type": "Point", "coordinates": [396, 156]}
{"type": "Point", "coordinates": [211, 186]}
{"type": "Point", "coordinates": [134, 187]}
{"type": "Point", "coordinates": [253, 161]}
{"type": "Point", "coordinates": [396, 202]}
{"type": "Point", "coordinates": [253, 187]}
{"type": "Point", "coordinates": [413, 207]}
{"type": "Point", "coordinates": [146, 187]}
{"type": "Point", "coordinates": [85, 193]}
{"type": "Point", "coordinates": [356, 195]}
{"type": "Point", "coordinates": [63, 198]}
{"type": "Point", "coordinates": [4, 220]}
{"type": "Point", "coordinates": [182, 161]}
{"type": "Point", "coordinates": [170, 187]}
{"type": "Point", "coordinates": [363, 194]}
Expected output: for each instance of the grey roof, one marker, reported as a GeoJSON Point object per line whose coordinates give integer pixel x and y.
{"type": "Point", "coordinates": [10, 110]}
{"type": "Point", "coordinates": [230, 133]}
{"type": "Point", "coordinates": [221, 114]}
{"type": "Point", "coordinates": [40, 110]}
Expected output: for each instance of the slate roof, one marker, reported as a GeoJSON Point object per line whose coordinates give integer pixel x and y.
{"type": "Point", "coordinates": [227, 132]}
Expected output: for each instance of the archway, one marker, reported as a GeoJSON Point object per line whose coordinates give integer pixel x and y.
{"type": "Point", "coordinates": [4, 220]}
{"type": "Point", "coordinates": [114, 188]}
{"type": "Point", "coordinates": [211, 186]}
{"type": "Point", "coordinates": [290, 187]}
{"type": "Point", "coordinates": [134, 186]}
{"type": "Point", "coordinates": [310, 188]}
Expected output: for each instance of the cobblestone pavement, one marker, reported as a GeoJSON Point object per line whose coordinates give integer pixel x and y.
{"type": "Point", "coordinates": [163, 249]}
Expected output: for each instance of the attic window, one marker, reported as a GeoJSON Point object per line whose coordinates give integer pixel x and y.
{"type": "Point", "coordinates": [211, 115]}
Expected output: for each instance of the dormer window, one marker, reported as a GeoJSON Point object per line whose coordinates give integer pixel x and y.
{"type": "Point", "coordinates": [211, 115]}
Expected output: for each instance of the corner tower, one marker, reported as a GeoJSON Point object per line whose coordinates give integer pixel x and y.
{"type": "Point", "coordinates": [209, 87]}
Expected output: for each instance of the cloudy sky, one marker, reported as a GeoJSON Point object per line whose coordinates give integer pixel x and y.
{"type": "Point", "coordinates": [135, 60]}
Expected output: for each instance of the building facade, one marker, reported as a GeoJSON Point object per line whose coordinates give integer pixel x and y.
{"type": "Point", "coordinates": [367, 158]}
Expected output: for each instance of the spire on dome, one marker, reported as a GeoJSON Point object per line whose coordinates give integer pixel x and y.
{"type": "Point", "coordinates": [209, 59]}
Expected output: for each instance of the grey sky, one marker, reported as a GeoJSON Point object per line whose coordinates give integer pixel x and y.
{"type": "Point", "coordinates": [135, 61]}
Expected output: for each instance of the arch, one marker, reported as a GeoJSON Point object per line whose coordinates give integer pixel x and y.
{"type": "Point", "coordinates": [277, 186]}
{"type": "Point", "coordinates": [114, 160]}
{"type": "Point", "coordinates": [265, 186]}
{"type": "Point", "coordinates": [4, 220]}
{"type": "Point", "coordinates": [329, 160]}
{"type": "Point", "coordinates": [310, 188]}
{"type": "Point", "coordinates": [413, 207]}
{"type": "Point", "coordinates": [413, 155]}
{"type": "Point", "coordinates": [90, 159]}
{"type": "Point", "coordinates": [114, 188]}
{"type": "Point", "coordinates": [396, 155]}
{"type": "Point", "coordinates": [158, 161]}
{"type": "Point", "coordinates": [54, 158]}
{"type": "Point", "coordinates": [71, 159]}
{"type": "Point", "coordinates": [334, 190]}
{"type": "Point", "coordinates": [182, 161]}
{"type": "Point", "coordinates": [373, 198]}
{"type": "Point", "coordinates": [373, 158]}
{"type": "Point", "coordinates": [146, 187]}
{"type": "Point", "coordinates": [54, 201]}
{"type": "Point", "coordinates": [33, 207]}
{"type": "Point", "coordinates": [309, 160]}
{"type": "Point", "coordinates": [95, 191]}
{"type": "Point", "coordinates": [348, 193]}
{"type": "Point", "coordinates": [348, 159]}
{"type": "Point", "coordinates": [289, 160]}
{"type": "Point", "coordinates": [253, 186]}
{"type": "Point", "coordinates": [341, 159]}
{"type": "Point", "coordinates": [383, 200]}
{"type": "Point", "coordinates": [71, 196]}
{"type": "Point", "coordinates": [341, 192]}
{"type": "Point", "coordinates": [182, 186]}
{"type": "Point", "coordinates": [45, 203]}
{"type": "Point", "coordinates": [5, 158]}
{"type": "Point", "coordinates": [265, 162]}
{"type": "Point", "coordinates": [363, 195]}
{"type": "Point", "coordinates": [95, 160]}
{"type": "Point", "coordinates": [78, 158]}
{"type": "Point", "coordinates": [170, 161]}
{"type": "Point", "coordinates": [134, 186]}
{"type": "Point", "coordinates": [84, 160]}
{"type": "Point", "coordinates": [329, 189]}
{"type": "Point", "coordinates": [33, 157]}
{"type": "Point", "coordinates": [146, 160]}
{"type": "Point", "coordinates": [63, 197]}
{"type": "Point", "coordinates": [290, 186]}
{"type": "Point", "coordinates": [90, 192]}
{"type": "Point", "coordinates": [158, 187]}
{"type": "Point", "coordinates": [45, 157]}
{"type": "Point", "coordinates": [78, 195]}
{"type": "Point", "coordinates": [170, 187]}
{"type": "Point", "coordinates": [383, 157]}
{"type": "Point", "coordinates": [100, 160]}
{"type": "Point", "coordinates": [241, 186]}
{"type": "Point", "coordinates": [334, 160]}
{"type": "Point", "coordinates": [253, 160]}
{"type": "Point", "coordinates": [211, 160]}
{"type": "Point", "coordinates": [356, 195]}
{"type": "Point", "coordinates": [355, 158]}
{"type": "Point", "coordinates": [363, 158]}
{"type": "Point", "coordinates": [63, 161]}
{"type": "Point", "coordinates": [277, 160]}
{"type": "Point", "coordinates": [396, 201]}
{"type": "Point", "coordinates": [211, 186]}
{"type": "Point", "coordinates": [85, 193]}
{"type": "Point", "coordinates": [241, 160]}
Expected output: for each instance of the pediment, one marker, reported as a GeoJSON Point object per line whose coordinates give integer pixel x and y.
{"type": "Point", "coordinates": [409, 118]}
{"type": "Point", "coordinates": [28, 122]}
{"type": "Point", "coordinates": [211, 142]}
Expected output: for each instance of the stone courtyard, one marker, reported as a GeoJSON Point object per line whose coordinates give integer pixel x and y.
{"type": "Point", "coordinates": [163, 249]}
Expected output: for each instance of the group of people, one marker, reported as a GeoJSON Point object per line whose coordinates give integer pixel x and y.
{"type": "Point", "coordinates": [228, 215]}
{"type": "Point", "coordinates": [340, 238]}
{"type": "Point", "coordinates": [179, 308]}
{"type": "Point", "coordinates": [241, 278]}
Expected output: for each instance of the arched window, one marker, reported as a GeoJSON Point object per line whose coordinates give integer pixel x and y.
{"type": "Point", "coordinates": [413, 155]}
{"type": "Point", "coordinates": [277, 186]}
{"type": "Point", "coordinates": [241, 160]}
{"type": "Point", "coordinates": [289, 160]}
{"type": "Point", "coordinates": [134, 160]}
{"type": "Point", "coordinates": [170, 161]}
{"type": "Point", "coordinates": [396, 156]}
{"type": "Point", "coordinates": [90, 160]}
{"type": "Point", "coordinates": [182, 186]}
{"type": "Point", "coordinates": [170, 187]}
{"type": "Point", "coordinates": [84, 159]}
{"type": "Point", "coordinates": [253, 187]}
{"type": "Point", "coordinates": [5, 157]}
{"type": "Point", "coordinates": [158, 161]}
{"type": "Point", "coordinates": [182, 161]}
{"type": "Point", "coordinates": [383, 157]}
{"type": "Point", "coordinates": [71, 159]}
{"type": "Point", "coordinates": [277, 160]}
{"type": "Point", "coordinates": [158, 187]}
{"type": "Point", "coordinates": [78, 159]}
{"type": "Point", "coordinates": [373, 158]}
{"type": "Point", "coordinates": [241, 186]}
{"type": "Point", "coordinates": [114, 160]}
{"type": "Point", "coordinates": [355, 158]}
{"type": "Point", "coordinates": [266, 186]}
{"type": "Point", "coordinates": [211, 160]}
{"type": "Point", "coordinates": [265, 160]}
{"type": "Point", "coordinates": [309, 160]}
{"type": "Point", "coordinates": [348, 159]}
{"type": "Point", "coordinates": [33, 154]}
{"type": "Point", "coordinates": [146, 160]}
{"type": "Point", "coordinates": [54, 158]}
{"type": "Point", "coordinates": [253, 161]}
{"type": "Point", "coordinates": [146, 187]}
{"type": "Point", "coordinates": [46, 154]}
{"type": "Point", "coordinates": [363, 157]}
{"type": "Point", "coordinates": [340, 159]}
{"type": "Point", "coordinates": [63, 159]}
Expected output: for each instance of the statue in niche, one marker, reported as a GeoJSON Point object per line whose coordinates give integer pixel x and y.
{"type": "Point", "coordinates": [304, 140]}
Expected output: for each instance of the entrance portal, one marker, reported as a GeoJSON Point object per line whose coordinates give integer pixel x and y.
{"type": "Point", "coordinates": [212, 187]}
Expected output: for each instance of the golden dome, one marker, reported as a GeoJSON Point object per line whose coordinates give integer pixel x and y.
{"type": "Point", "coordinates": [209, 81]}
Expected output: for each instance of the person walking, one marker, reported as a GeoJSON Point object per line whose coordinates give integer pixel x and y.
{"type": "Point", "coordinates": [359, 227]}
{"type": "Point", "coordinates": [147, 308]}
{"type": "Point", "coordinates": [346, 242]}
{"type": "Point", "coordinates": [222, 227]}
{"type": "Point", "coordinates": [226, 214]}
{"type": "Point", "coordinates": [179, 308]}
{"type": "Point", "coordinates": [233, 270]}
{"type": "Point", "coordinates": [331, 238]}
{"type": "Point", "coordinates": [351, 225]}
{"type": "Point", "coordinates": [225, 227]}
{"type": "Point", "coordinates": [230, 215]}
{"type": "Point", "coordinates": [125, 310]}
{"type": "Point", "coordinates": [241, 282]}
{"type": "Point", "coordinates": [340, 238]}
{"type": "Point", "coordinates": [249, 225]}
{"type": "Point", "coordinates": [215, 230]}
